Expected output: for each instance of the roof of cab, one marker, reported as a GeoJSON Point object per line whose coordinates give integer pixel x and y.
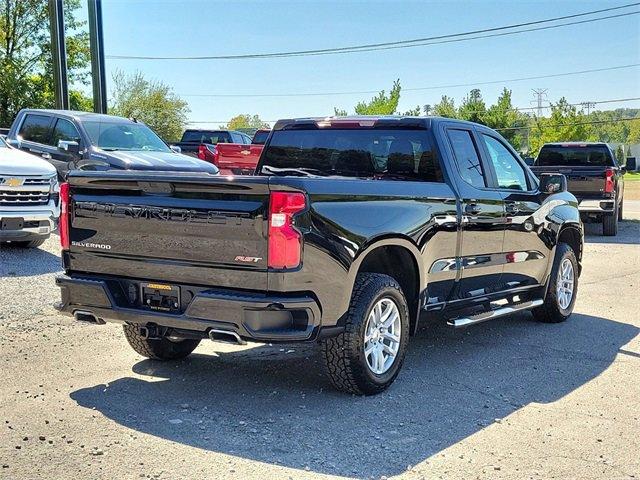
{"type": "Point", "coordinates": [80, 116]}
{"type": "Point", "coordinates": [365, 121]}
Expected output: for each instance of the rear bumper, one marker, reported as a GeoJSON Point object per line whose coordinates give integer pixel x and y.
{"type": "Point", "coordinates": [252, 316]}
{"type": "Point", "coordinates": [597, 206]}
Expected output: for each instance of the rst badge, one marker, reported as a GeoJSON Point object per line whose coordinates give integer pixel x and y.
{"type": "Point", "coordinates": [245, 259]}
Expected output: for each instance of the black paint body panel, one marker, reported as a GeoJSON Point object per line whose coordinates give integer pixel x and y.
{"type": "Point", "coordinates": [187, 229]}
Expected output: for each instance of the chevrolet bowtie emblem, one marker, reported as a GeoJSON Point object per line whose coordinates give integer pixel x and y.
{"type": "Point", "coordinates": [13, 182]}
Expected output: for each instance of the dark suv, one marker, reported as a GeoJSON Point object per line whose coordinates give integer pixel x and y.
{"type": "Point", "coordinates": [90, 141]}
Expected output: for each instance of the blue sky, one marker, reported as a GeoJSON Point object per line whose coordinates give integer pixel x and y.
{"type": "Point", "coordinates": [190, 27]}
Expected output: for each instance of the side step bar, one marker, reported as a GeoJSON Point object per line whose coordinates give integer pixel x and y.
{"type": "Point", "coordinates": [490, 315]}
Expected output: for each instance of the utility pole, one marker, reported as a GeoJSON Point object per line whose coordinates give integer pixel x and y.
{"type": "Point", "coordinates": [541, 97]}
{"type": "Point", "coordinates": [588, 106]}
{"type": "Point", "coordinates": [59, 54]}
{"type": "Point", "coordinates": [96, 43]}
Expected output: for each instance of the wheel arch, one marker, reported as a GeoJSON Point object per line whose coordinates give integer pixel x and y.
{"type": "Point", "coordinates": [400, 259]}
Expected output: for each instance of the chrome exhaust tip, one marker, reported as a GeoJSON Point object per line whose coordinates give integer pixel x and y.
{"type": "Point", "coordinates": [88, 317]}
{"type": "Point", "coordinates": [226, 336]}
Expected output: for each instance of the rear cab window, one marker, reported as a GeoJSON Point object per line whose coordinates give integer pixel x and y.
{"type": "Point", "coordinates": [35, 128]}
{"type": "Point", "coordinates": [385, 154]}
{"type": "Point", "coordinates": [572, 155]}
{"type": "Point", "coordinates": [212, 137]}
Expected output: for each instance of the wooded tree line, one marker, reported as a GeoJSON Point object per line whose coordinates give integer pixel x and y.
{"type": "Point", "coordinates": [524, 130]}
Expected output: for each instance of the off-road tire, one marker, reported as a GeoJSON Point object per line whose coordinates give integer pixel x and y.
{"type": "Point", "coordinates": [610, 223]}
{"type": "Point", "coordinates": [550, 311]}
{"type": "Point", "coordinates": [29, 244]}
{"type": "Point", "coordinates": [161, 348]}
{"type": "Point", "coordinates": [344, 354]}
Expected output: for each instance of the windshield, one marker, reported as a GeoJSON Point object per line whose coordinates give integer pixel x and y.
{"type": "Point", "coordinates": [2, 144]}
{"type": "Point", "coordinates": [575, 156]}
{"type": "Point", "coordinates": [124, 136]}
{"type": "Point", "coordinates": [363, 152]}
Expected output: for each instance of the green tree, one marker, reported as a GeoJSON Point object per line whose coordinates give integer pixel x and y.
{"type": "Point", "coordinates": [565, 124]}
{"type": "Point", "coordinates": [150, 101]}
{"type": "Point", "coordinates": [634, 131]}
{"type": "Point", "coordinates": [245, 121]}
{"type": "Point", "coordinates": [381, 104]}
{"type": "Point", "coordinates": [503, 117]}
{"type": "Point", "coordinates": [473, 108]}
{"type": "Point", "coordinates": [26, 76]}
{"type": "Point", "coordinates": [445, 108]}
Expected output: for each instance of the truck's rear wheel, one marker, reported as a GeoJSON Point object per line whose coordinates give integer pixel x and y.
{"type": "Point", "coordinates": [160, 348]}
{"type": "Point", "coordinates": [563, 287]}
{"type": "Point", "coordinates": [610, 224]}
{"type": "Point", "coordinates": [366, 358]}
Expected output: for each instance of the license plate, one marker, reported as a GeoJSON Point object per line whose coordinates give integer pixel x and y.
{"type": "Point", "coordinates": [162, 297]}
{"type": "Point", "coordinates": [12, 223]}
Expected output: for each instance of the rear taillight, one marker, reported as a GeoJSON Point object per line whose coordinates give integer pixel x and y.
{"type": "Point", "coordinates": [285, 242]}
{"type": "Point", "coordinates": [608, 180]}
{"type": "Point", "coordinates": [208, 153]}
{"type": "Point", "coordinates": [65, 213]}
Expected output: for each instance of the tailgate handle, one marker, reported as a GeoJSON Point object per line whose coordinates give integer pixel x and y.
{"type": "Point", "coordinates": [156, 188]}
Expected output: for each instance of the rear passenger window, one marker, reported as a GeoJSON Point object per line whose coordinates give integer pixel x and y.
{"type": "Point", "coordinates": [35, 128]}
{"type": "Point", "coordinates": [467, 157]}
{"type": "Point", "coordinates": [65, 130]}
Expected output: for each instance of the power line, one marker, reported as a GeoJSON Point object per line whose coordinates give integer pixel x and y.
{"type": "Point", "coordinates": [415, 89]}
{"type": "Point", "coordinates": [615, 100]}
{"type": "Point", "coordinates": [557, 125]}
{"type": "Point", "coordinates": [454, 37]}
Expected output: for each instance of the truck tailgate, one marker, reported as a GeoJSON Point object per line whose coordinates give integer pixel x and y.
{"type": "Point", "coordinates": [238, 158]}
{"type": "Point", "coordinates": [201, 230]}
{"type": "Point", "coordinates": [583, 182]}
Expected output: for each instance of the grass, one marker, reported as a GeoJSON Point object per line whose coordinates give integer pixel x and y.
{"type": "Point", "coordinates": [632, 177]}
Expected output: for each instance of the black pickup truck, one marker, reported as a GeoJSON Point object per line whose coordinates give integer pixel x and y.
{"type": "Point", "coordinates": [351, 228]}
{"type": "Point", "coordinates": [593, 176]}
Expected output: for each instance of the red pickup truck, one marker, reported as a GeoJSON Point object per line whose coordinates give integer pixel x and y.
{"type": "Point", "coordinates": [238, 158]}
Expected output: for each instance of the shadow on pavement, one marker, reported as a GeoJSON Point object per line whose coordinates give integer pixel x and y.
{"type": "Point", "coordinates": [25, 262]}
{"type": "Point", "coordinates": [628, 233]}
{"type": "Point", "coordinates": [272, 406]}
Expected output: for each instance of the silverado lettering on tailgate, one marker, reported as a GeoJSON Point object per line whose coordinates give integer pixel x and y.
{"type": "Point", "coordinates": [164, 214]}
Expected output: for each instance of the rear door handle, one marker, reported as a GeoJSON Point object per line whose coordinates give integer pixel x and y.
{"type": "Point", "coordinates": [472, 209]}
{"type": "Point", "coordinates": [46, 156]}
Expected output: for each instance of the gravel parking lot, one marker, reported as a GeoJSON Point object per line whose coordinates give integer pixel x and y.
{"type": "Point", "coordinates": [509, 399]}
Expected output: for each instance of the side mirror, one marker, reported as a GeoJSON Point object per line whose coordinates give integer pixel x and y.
{"type": "Point", "coordinates": [552, 183]}
{"type": "Point", "coordinates": [623, 169]}
{"type": "Point", "coordinates": [69, 146]}
{"type": "Point", "coordinates": [175, 148]}
{"type": "Point", "coordinates": [529, 161]}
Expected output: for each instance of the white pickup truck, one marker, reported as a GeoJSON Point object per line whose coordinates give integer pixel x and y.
{"type": "Point", "coordinates": [29, 198]}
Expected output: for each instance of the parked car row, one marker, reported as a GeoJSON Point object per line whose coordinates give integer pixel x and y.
{"type": "Point", "coordinates": [234, 153]}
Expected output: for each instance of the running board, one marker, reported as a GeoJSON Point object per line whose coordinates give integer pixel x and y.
{"type": "Point", "coordinates": [490, 315]}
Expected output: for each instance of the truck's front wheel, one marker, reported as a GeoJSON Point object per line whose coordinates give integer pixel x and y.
{"type": "Point", "coordinates": [366, 358]}
{"type": "Point", "coordinates": [159, 348]}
